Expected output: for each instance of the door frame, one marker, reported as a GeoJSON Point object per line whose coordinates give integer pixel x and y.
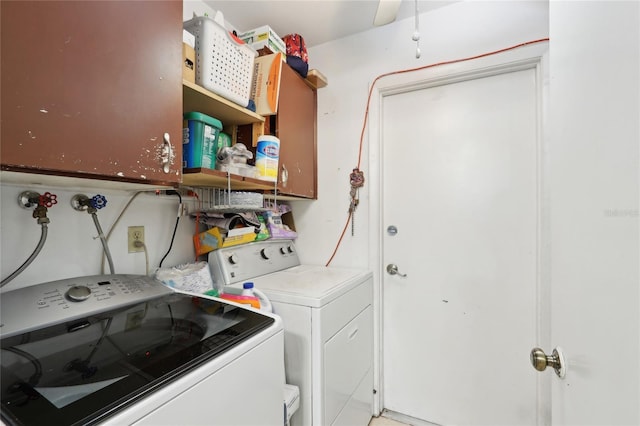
{"type": "Point", "coordinates": [526, 57]}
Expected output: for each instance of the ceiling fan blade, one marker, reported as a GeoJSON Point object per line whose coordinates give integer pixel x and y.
{"type": "Point", "coordinates": [386, 13]}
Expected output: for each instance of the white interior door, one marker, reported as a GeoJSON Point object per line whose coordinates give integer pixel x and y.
{"type": "Point", "coordinates": [595, 216]}
{"type": "Point", "coordinates": [462, 184]}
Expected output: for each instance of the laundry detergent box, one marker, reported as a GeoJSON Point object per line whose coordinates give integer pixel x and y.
{"type": "Point", "coordinates": [200, 140]}
{"type": "Point", "coordinates": [264, 36]}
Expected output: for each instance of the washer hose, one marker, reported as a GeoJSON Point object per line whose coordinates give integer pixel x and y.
{"type": "Point", "coordinates": [36, 252]}
{"type": "Point", "coordinates": [103, 239]}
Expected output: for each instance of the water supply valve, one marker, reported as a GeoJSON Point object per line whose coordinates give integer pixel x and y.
{"type": "Point", "coordinates": [47, 199]}
{"type": "Point", "coordinates": [98, 201]}
{"type": "Point", "coordinates": [31, 199]}
{"type": "Point", "coordinates": [39, 203]}
{"type": "Point", "coordinates": [81, 202]}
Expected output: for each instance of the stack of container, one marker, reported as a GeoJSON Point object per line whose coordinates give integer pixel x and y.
{"type": "Point", "coordinates": [202, 137]}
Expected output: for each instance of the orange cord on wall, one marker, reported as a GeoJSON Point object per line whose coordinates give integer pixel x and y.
{"type": "Point", "coordinates": [366, 113]}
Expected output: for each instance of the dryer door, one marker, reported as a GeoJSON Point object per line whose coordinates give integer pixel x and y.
{"type": "Point", "coordinates": [347, 362]}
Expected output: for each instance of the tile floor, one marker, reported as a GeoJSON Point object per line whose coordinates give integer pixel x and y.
{"type": "Point", "coordinates": [384, 421]}
{"type": "Point", "coordinates": [391, 418]}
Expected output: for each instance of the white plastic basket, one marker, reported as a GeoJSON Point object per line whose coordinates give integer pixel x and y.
{"type": "Point", "coordinates": [223, 65]}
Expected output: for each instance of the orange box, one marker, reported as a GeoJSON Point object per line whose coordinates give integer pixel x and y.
{"type": "Point", "coordinates": [266, 83]}
{"type": "Point", "coordinates": [207, 241]}
{"type": "Point", "coordinates": [212, 239]}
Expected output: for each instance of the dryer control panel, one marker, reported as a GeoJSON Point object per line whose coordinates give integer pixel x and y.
{"type": "Point", "coordinates": [36, 306]}
{"type": "Point", "coordinates": [240, 263]}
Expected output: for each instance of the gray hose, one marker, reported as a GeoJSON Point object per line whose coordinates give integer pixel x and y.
{"type": "Point", "coordinates": [105, 246]}
{"type": "Point", "coordinates": [36, 252]}
{"type": "Point", "coordinates": [114, 226]}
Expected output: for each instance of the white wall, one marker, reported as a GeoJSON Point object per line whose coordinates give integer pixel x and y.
{"type": "Point", "coordinates": [197, 7]}
{"type": "Point", "coordinates": [351, 64]}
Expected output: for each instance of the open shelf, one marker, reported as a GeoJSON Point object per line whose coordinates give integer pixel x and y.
{"type": "Point", "coordinates": [201, 177]}
{"type": "Point", "coordinates": [199, 99]}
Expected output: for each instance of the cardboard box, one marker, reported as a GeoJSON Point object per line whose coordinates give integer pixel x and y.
{"type": "Point", "coordinates": [264, 36]}
{"type": "Point", "coordinates": [278, 227]}
{"type": "Point", "coordinates": [207, 241]}
{"type": "Point", "coordinates": [212, 239]}
{"type": "Point", "coordinates": [287, 219]}
{"type": "Point", "coordinates": [265, 89]}
{"type": "Point", "coordinates": [234, 238]}
{"type": "Point", "coordinates": [188, 63]}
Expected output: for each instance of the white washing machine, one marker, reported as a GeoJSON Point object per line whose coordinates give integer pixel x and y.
{"type": "Point", "coordinates": [123, 349]}
{"type": "Point", "coordinates": [328, 321]}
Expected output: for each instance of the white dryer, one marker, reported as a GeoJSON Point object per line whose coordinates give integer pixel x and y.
{"type": "Point", "coordinates": [327, 316]}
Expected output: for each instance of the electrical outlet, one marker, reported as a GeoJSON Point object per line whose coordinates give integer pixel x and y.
{"type": "Point", "coordinates": [135, 233]}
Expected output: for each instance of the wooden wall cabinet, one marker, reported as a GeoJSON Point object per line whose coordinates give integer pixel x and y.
{"type": "Point", "coordinates": [89, 88]}
{"type": "Point", "coordinates": [296, 129]}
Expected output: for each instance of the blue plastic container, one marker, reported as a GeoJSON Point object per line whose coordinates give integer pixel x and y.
{"type": "Point", "coordinates": [200, 140]}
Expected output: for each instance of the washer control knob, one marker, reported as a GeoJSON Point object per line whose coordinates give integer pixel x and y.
{"type": "Point", "coordinates": [290, 248]}
{"type": "Point", "coordinates": [78, 293]}
{"type": "Point", "coordinates": [233, 259]}
{"type": "Point", "coordinates": [265, 254]}
{"type": "Point", "coordinates": [283, 251]}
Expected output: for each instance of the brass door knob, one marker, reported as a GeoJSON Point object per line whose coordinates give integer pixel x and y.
{"type": "Point", "coordinates": [541, 361]}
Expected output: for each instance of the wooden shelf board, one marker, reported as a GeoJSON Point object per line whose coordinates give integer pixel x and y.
{"type": "Point", "coordinates": [315, 79]}
{"type": "Point", "coordinates": [201, 177]}
{"type": "Point", "coordinates": [282, 197]}
{"type": "Point", "coordinates": [199, 99]}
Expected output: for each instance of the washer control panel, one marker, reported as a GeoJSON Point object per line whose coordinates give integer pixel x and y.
{"type": "Point", "coordinates": [243, 262]}
{"type": "Point", "coordinates": [39, 305]}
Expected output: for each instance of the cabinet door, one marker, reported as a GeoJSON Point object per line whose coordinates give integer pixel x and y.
{"type": "Point", "coordinates": [296, 129]}
{"type": "Point", "coordinates": [89, 88]}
